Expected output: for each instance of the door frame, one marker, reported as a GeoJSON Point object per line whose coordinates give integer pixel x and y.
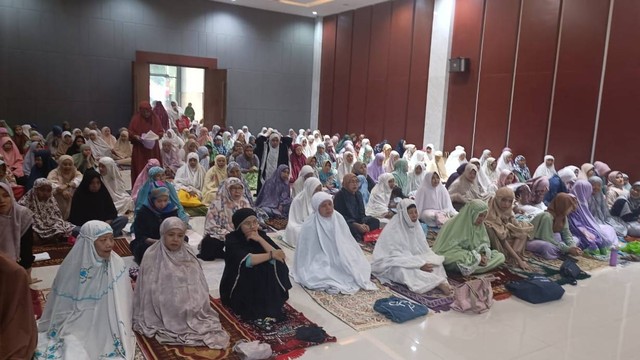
{"type": "Point", "coordinates": [140, 72]}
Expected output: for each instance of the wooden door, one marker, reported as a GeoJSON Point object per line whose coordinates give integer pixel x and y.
{"type": "Point", "coordinates": [140, 74]}
{"type": "Point", "coordinates": [215, 97]}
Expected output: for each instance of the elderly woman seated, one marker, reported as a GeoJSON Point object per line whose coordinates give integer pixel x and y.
{"type": "Point", "coordinates": [329, 259]}
{"type": "Point", "coordinates": [275, 196]}
{"type": "Point", "coordinates": [300, 210]}
{"type": "Point", "coordinates": [48, 223]}
{"type": "Point", "coordinates": [218, 222]}
{"type": "Point", "coordinates": [88, 312]}
{"type": "Point", "coordinates": [350, 204]}
{"type": "Point", "coordinates": [402, 254]}
{"type": "Point", "coordinates": [255, 282]}
{"type": "Point", "coordinates": [171, 299]}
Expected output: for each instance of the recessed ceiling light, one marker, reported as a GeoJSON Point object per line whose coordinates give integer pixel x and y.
{"type": "Point", "coordinates": [314, 12]}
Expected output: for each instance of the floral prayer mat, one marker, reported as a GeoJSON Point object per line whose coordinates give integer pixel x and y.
{"type": "Point", "coordinates": [367, 247]}
{"type": "Point", "coordinates": [502, 275]}
{"type": "Point", "coordinates": [354, 310]}
{"type": "Point", "coordinates": [58, 252]}
{"type": "Point", "coordinates": [435, 300]}
{"type": "Point", "coordinates": [280, 336]}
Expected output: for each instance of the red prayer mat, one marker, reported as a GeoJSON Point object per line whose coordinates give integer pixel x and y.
{"type": "Point", "coordinates": [281, 337]}
{"type": "Point", "coordinates": [58, 252]}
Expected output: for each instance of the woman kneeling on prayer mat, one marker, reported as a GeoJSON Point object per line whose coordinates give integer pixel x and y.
{"type": "Point", "coordinates": [255, 283]}
{"type": "Point", "coordinates": [465, 244]}
{"type": "Point", "coordinates": [88, 313]}
{"type": "Point", "coordinates": [328, 258]}
{"type": "Point", "coordinates": [402, 254]}
{"type": "Point", "coordinates": [171, 300]}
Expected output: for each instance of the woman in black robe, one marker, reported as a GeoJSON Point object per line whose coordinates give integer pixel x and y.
{"type": "Point", "coordinates": [91, 201]}
{"type": "Point", "coordinates": [255, 282]}
{"type": "Point", "coordinates": [148, 220]}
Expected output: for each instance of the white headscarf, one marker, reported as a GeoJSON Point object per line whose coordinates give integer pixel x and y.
{"type": "Point", "coordinates": [452, 161]}
{"type": "Point", "coordinates": [486, 153]}
{"type": "Point", "coordinates": [486, 176]}
{"type": "Point", "coordinates": [329, 258]}
{"type": "Point", "coordinates": [544, 170]}
{"type": "Point", "coordinates": [345, 167]}
{"type": "Point", "coordinates": [300, 210]}
{"type": "Point", "coordinates": [115, 184]}
{"type": "Point", "coordinates": [89, 310]}
{"type": "Point", "coordinates": [298, 185]}
{"type": "Point", "coordinates": [99, 148]}
{"type": "Point", "coordinates": [418, 157]}
{"type": "Point", "coordinates": [430, 198]}
{"type": "Point", "coordinates": [503, 164]}
{"type": "Point", "coordinates": [402, 249]}
{"type": "Point", "coordinates": [378, 205]}
{"type": "Point", "coordinates": [430, 156]}
{"type": "Point", "coordinates": [190, 179]}
{"type": "Point", "coordinates": [414, 181]}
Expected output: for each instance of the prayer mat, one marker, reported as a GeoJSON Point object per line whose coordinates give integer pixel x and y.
{"type": "Point", "coordinates": [57, 252]}
{"type": "Point", "coordinates": [354, 310]}
{"type": "Point", "coordinates": [367, 247]}
{"type": "Point", "coordinates": [196, 211]}
{"type": "Point", "coordinates": [435, 300]}
{"type": "Point", "coordinates": [502, 275]}
{"type": "Point", "coordinates": [281, 336]}
{"type": "Point", "coordinates": [631, 238]}
{"type": "Point", "coordinates": [585, 262]}
{"type": "Point", "coordinates": [277, 224]}
{"type": "Point", "coordinates": [42, 296]}
{"type": "Point", "coordinates": [545, 268]}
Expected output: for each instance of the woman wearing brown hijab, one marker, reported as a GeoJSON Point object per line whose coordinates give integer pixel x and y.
{"type": "Point", "coordinates": [507, 235]}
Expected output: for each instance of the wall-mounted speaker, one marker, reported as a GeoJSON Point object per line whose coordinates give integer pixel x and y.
{"type": "Point", "coordinates": [459, 65]}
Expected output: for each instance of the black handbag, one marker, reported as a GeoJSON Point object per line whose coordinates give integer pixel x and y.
{"type": "Point", "coordinates": [536, 290]}
{"type": "Point", "coordinates": [570, 270]}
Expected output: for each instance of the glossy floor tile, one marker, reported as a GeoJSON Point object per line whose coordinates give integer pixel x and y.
{"type": "Point", "coordinates": [597, 319]}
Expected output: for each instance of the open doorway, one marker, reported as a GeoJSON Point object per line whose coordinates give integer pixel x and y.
{"type": "Point", "coordinates": [182, 85]}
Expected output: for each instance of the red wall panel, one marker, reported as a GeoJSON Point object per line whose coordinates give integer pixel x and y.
{"type": "Point", "coordinates": [419, 75]}
{"type": "Point", "coordinates": [461, 102]}
{"type": "Point", "coordinates": [582, 41]}
{"type": "Point", "coordinates": [399, 68]}
{"type": "Point", "coordinates": [378, 67]}
{"type": "Point", "coordinates": [617, 137]}
{"type": "Point", "coordinates": [325, 107]}
{"type": "Point", "coordinates": [359, 69]}
{"type": "Point", "coordinates": [496, 74]}
{"type": "Point", "coordinates": [535, 67]}
{"type": "Point", "coordinates": [342, 76]}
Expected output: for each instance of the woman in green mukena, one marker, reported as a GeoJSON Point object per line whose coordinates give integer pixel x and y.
{"type": "Point", "coordinates": [465, 244]}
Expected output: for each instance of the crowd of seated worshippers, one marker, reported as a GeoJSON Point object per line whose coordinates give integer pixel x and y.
{"type": "Point", "coordinates": [332, 191]}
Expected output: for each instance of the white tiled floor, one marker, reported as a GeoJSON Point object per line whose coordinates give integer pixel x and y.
{"type": "Point", "coordinates": [597, 319]}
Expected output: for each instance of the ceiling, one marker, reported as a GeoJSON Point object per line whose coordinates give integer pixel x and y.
{"type": "Point", "coordinates": [305, 7]}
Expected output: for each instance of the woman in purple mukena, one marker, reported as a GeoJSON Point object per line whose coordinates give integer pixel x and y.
{"type": "Point", "coordinates": [592, 237]}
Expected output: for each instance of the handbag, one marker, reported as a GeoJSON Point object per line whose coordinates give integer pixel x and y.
{"type": "Point", "coordinates": [252, 350]}
{"type": "Point", "coordinates": [535, 290]}
{"type": "Point", "coordinates": [474, 296]}
{"type": "Point", "coordinates": [570, 270]}
{"type": "Point", "coordinates": [372, 236]}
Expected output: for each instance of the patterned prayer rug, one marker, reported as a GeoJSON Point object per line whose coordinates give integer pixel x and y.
{"type": "Point", "coordinates": [58, 252]}
{"type": "Point", "coordinates": [280, 336]}
{"type": "Point", "coordinates": [435, 300]}
{"type": "Point", "coordinates": [585, 262]}
{"type": "Point", "coordinates": [277, 224]}
{"type": "Point", "coordinates": [550, 270]}
{"type": "Point", "coordinates": [196, 211]}
{"type": "Point", "coordinates": [367, 247]}
{"type": "Point", "coordinates": [354, 310]}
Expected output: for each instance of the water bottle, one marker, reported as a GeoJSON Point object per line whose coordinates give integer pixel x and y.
{"type": "Point", "coordinates": [613, 258]}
